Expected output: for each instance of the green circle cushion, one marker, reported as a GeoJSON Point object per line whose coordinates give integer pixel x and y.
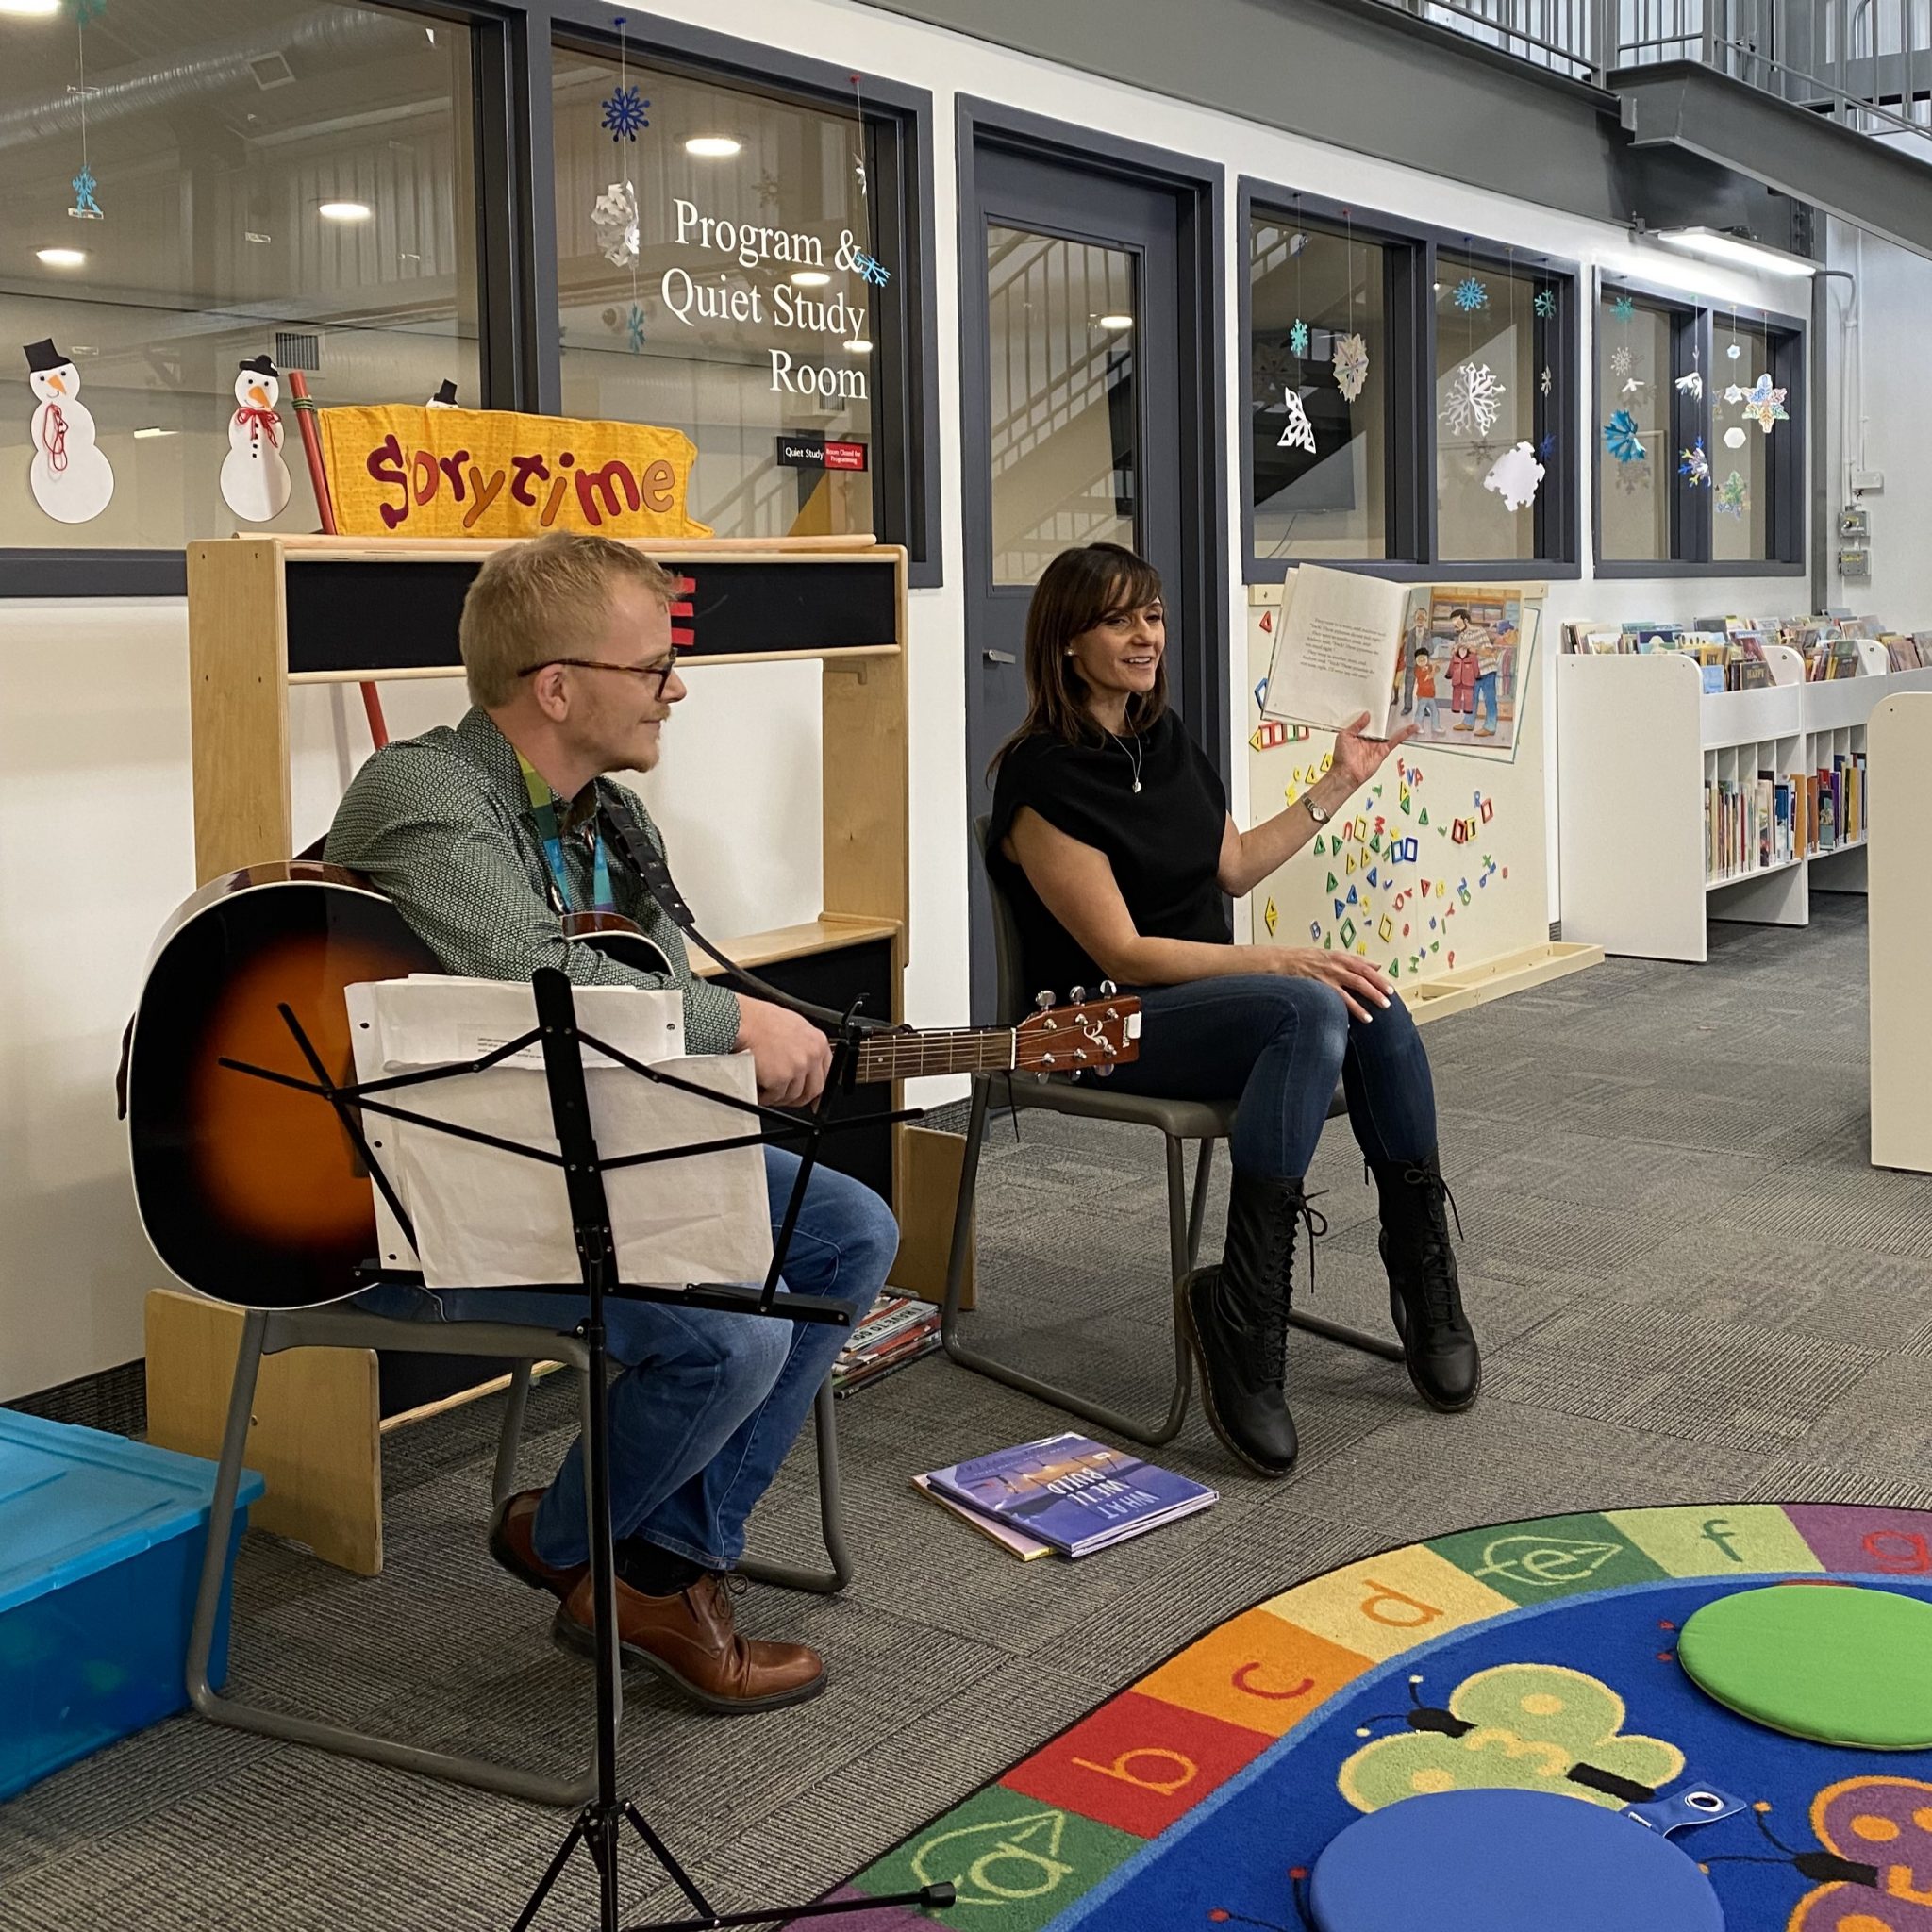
{"type": "Point", "coordinates": [1836, 1663]}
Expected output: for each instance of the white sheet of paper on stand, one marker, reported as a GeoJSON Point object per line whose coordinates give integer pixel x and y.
{"type": "Point", "coordinates": [489, 1219]}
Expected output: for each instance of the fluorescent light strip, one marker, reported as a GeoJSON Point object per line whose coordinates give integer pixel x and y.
{"type": "Point", "coordinates": [1736, 251]}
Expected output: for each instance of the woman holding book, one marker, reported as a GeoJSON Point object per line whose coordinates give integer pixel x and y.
{"type": "Point", "coordinates": [1111, 838]}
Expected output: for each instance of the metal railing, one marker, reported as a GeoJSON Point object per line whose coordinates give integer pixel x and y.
{"type": "Point", "coordinates": [1865, 63]}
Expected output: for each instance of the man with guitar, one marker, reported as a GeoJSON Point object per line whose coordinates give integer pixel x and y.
{"type": "Point", "coordinates": [487, 835]}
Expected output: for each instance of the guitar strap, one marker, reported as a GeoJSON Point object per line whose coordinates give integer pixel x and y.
{"type": "Point", "coordinates": [655, 876]}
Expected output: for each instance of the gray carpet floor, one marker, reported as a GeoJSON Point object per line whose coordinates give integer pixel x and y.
{"type": "Point", "coordinates": [1691, 1285]}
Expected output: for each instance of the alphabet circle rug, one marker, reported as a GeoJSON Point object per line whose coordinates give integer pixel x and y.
{"type": "Point", "coordinates": [1535, 1657]}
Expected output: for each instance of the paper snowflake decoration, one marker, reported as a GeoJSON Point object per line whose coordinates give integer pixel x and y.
{"type": "Point", "coordinates": [614, 216]}
{"type": "Point", "coordinates": [858, 174]}
{"type": "Point", "coordinates": [1691, 385]}
{"type": "Point", "coordinates": [1731, 495]}
{"type": "Point", "coordinates": [1546, 448]}
{"type": "Point", "coordinates": [1471, 295]}
{"type": "Point", "coordinates": [85, 206]}
{"type": "Point", "coordinates": [1734, 352]}
{"type": "Point", "coordinates": [1762, 403]}
{"type": "Point", "coordinates": [1350, 365]}
{"type": "Point", "coordinates": [1623, 308]}
{"type": "Point", "coordinates": [1300, 433]}
{"type": "Point", "coordinates": [1514, 477]}
{"type": "Point", "coordinates": [1622, 440]}
{"type": "Point", "coordinates": [1545, 304]}
{"type": "Point", "coordinates": [624, 114]}
{"type": "Point", "coordinates": [1474, 400]}
{"type": "Point", "coordinates": [1298, 337]}
{"type": "Point", "coordinates": [634, 330]}
{"type": "Point", "coordinates": [1296, 243]}
{"type": "Point", "coordinates": [85, 11]}
{"type": "Point", "coordinates": [1734, 438]}
{"type": "Point", "coordinates": [1542, 382]}
{"type": "Point", "coordinates": [1619, 361]}
{"type": "Point", "coordinates": [870, 270]}
{"type": "Point", "coordinates": [1693, 465]}
{"type": "Point", "coordinates": [1633, 383]}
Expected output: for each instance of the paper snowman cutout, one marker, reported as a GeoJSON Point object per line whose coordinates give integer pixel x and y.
{"type": "Point", "coordinates": [254, 479]}
{"type": "Point", "coordinates": [445, 397]}
{"type": "Point", "coordinates": [70, 478]}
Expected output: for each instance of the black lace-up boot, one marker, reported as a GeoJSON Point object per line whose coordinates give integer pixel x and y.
{"type": "Point", "coordinates": [1424, 1296]}
{"type": "Point", "coordinates": [1236, 1321]}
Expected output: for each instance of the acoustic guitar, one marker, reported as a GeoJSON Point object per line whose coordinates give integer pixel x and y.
{"type": "Point", "coordinates": [254, 1192]}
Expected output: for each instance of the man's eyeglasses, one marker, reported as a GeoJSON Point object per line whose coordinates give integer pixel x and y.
{"type": "Point", "coordinates": [660, 671]}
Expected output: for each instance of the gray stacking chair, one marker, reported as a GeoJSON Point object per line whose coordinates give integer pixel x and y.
{"type": "Point", "coordinates": [341, 1325]}
{"type": "Point", "coordinates": [1178, 1122]}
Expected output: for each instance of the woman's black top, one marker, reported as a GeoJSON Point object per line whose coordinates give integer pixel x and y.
{"type": "Point", "coordinates": [1163, 841]}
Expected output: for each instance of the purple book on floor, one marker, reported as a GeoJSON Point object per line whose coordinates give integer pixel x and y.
{"type": "Point", "coordinates": [1071, 1491]}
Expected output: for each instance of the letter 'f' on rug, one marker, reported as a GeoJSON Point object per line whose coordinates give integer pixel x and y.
{"type": "Point", "coordinates": [1533, 1658]}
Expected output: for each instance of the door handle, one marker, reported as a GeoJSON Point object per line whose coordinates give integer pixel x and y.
{"type": "Point", "coordinates": [999, 656]}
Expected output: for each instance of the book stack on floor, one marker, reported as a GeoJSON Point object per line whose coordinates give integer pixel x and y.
{"type": "Point", "coordinates": [1066, 1494]}
{"type": "Point", "coordinates": [897, 1331]}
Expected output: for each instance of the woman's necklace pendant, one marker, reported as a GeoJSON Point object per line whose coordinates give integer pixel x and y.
{"type": "Point", "coordinates": [1137, 785]}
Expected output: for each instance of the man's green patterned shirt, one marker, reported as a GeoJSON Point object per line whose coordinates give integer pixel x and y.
{"type": "Point", "coordinates": [442, 824]}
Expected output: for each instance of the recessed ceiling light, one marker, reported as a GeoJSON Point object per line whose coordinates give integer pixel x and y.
{"type": "Point", "coordinates": [1116, 321]}
{"type": "Point", "coordinates": [343, 210]}
{"type": "Point", "coordinates": [712, 146]}
{"type": "Point", "coordinates": [59, 257]}
{"type": "Point", "coordinates": [859, 346]}
{"type": "Point", "coordinates": [810, 278]}
{"type": "Point", "coordinates": [30, 10]}
{"type": "Point", "coordinates": [140, 433]}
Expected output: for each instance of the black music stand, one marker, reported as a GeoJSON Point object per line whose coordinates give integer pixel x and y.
{"type": "Point", "coordinates": [598, 1826]}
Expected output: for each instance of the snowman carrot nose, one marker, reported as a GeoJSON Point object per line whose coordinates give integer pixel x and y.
{"type": "Point", "coordinates": [57, 383]}
{"type": "Point", "coordinates": [258, 395]}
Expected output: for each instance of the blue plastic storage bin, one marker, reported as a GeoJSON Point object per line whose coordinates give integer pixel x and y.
{"type": "Point", "coordinates": [100, 1552]}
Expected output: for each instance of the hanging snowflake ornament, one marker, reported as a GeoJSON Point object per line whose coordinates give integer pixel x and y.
{"type": "Point", "coordinates": [1296, 243]}
{"type": "Point", "coordinates": [1693, 465]}
{"type": "Point", "coordinates": [1619, 361]}
{"type": "Point", "coordinates": [1471, 295]}
{"type": "Point", "coordinates": [1545, 302]}
{"type": "Point", "coordinates": [84, 206]}
{"type": "Point", "coordinates": [1622, 439]}
{"type": "Point", "coordinates": [1474, 400]}
{"type": "Point", "coordinates": [1633, 383]}
{"type": "Point", "coordinates": [1762, 403]}
{"type": "Point", "coordinates": [624, 114]}
{"type": "Point", "coordinates": [1732, 495]}
{"type": "Point", "coordinates": [1691, 385]}
{"type": "Point", "coordinates": [1546, 448]}
{"type": "Point", "coordinates": [1298, 337]}
{"type": "Point", "coordinates": [1514, 476]}
{"type": "Point", "coordinates": [85, 11]}
{"type": "Point", "coordinates": [1542, 382]}
{"type": "Point", "coordinates": [1734, 438]}
{"type": "Point", "coordinates": [1734, 352]}
{"type": "Point", "coordinates": [1624, 309]}
{"type": "Point", "coordinates": [1350, 365]}
{"type": "Point", "coordinates": [871, 270]}
{"type": "Point", "coordinates": [1300, 433]}
{"type": "Point", "coordinates": [634, 330]}
{"type": "Point", "coordinates": [614, 217]}
{"type": "Point", "coordinates": [859, 173]}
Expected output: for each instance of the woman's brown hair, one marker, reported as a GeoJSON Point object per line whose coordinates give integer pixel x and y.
{"type": "Point", "coordinates": [1078, 589]}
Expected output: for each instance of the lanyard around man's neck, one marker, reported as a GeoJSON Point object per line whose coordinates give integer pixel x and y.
{"type": "Point", "coordinates": [543, 809]}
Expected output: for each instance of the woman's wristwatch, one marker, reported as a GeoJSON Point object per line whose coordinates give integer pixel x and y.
{"type": "Point", "coordinates": [1319, 813]}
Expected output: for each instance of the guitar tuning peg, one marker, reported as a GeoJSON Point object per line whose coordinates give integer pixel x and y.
{"type": "Point", "coordinates": [1108, 989]}
{"type": "Point", "coordinates": [1043, 1003]}
{"type": "Point", "coordinates": [1076, 995]}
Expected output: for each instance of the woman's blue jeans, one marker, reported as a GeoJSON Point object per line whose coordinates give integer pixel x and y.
{"type": "Point", "coordinates": [1278, 1046]}
{"type": "Point", "coordinates": [708, 1402]}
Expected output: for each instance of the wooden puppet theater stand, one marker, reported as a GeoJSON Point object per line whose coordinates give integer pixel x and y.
{"type": "Point", "coordinates": [268, 612]}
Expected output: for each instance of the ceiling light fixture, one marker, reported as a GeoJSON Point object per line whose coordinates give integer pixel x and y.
{"type": "Point", "coordinates": [343, 210]}
{"type": "Point", "coordinates": [59, 257]}
{"type": "Point", "coordinates": [1735, 250]}
{"type": "Point", "coordinates": [711, 146]}
{"type": "Point", "coordinates": [140, 433]}
{"type": "Point", "coordinates": [1116, 321]}
{"type": "Point", "coordinates": [859, 346]}
{"type": "Point", "coordinates": [30, 10]}
{"type": "Point", "coordinates": [810, 278]}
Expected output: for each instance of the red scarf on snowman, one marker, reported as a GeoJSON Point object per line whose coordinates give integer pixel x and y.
{"type": "Point", "coordinates": [54, 436]}
{"type": "Point", "coordinates": [260, 423]}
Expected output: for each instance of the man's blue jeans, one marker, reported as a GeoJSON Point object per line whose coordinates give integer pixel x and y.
{"type": "Point", "coordinates": [1486, 697]}
{"type": "Point", "coordinates": [708, 1402]}
{"type": "Point", "coordinates": [1278, 1045]}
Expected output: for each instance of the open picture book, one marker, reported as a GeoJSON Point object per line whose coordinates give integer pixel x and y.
{"type": "Point", "coordinates": [1452, 659]}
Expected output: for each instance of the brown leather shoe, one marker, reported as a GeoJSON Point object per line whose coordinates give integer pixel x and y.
{"type": "Point", "coordinates": [510, 1544]}
{"type": "Point", "coordinates": [689, 1639]}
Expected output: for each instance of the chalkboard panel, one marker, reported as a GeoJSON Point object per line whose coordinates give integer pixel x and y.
{"type": "Point", "coordinates": [349, 614]}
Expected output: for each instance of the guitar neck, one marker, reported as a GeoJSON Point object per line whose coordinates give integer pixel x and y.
{"type": "Point", "coordinates": [918, 1056]}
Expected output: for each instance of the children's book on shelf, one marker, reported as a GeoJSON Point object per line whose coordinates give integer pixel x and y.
{"type": "Point", "coordinates": [1070, 1491]}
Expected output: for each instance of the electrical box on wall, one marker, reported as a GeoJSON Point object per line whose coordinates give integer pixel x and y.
{"type": "Point", "coordinates": [1855, 564]}
{"type": "Point", "coordinates": [1854, 522]}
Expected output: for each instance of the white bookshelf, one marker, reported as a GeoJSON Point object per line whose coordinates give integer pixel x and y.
{"type": "Point", "coordinates": [1900, 939]}
{"type": "Point", "coordinates": [1638, 740]}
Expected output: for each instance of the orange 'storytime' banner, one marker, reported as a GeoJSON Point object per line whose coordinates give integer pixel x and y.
{"type": "Point", "coordinates": [401, 470]}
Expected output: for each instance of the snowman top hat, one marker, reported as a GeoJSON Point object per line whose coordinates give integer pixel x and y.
{"type": "Point", "coordinates": [42, 355]}
{"type": "Point", "coordinates": [446, 393]}
{"type": "Point", "coordinates": [260, 365]}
